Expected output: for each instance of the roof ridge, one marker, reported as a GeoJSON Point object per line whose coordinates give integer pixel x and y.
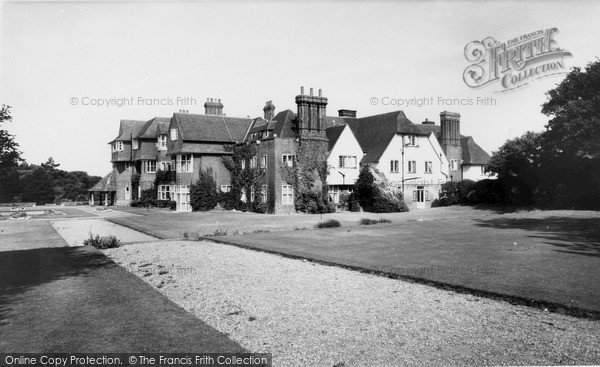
{"type": "Point", "coordinates": [227, 128]}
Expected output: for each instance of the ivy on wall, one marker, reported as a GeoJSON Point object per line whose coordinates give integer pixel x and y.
{"type": "Point", "coordinates": [245, 180]}
{"type": "Point", "coordinates": [308, 177]}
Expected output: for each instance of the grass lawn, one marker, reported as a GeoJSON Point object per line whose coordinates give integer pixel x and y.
{"type": "Point", "coordinates": [551, 261]}
{"type": "Point", "coordinates": [74, 299]}
{"type": "Point", "coordinates": [28, 234]}
{"type": "Point", "coordinates": [172, 225]}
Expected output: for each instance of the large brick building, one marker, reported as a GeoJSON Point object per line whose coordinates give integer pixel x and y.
{"type": "Point", "coordinates": [415, 159]}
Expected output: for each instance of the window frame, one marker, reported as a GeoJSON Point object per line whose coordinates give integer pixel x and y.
{"type": "Point", "coordinates": [174, 134]}
{"type": "Point", "coordinates": [413, 165]}
{"type": "Point", "coordinates": [288, 160]}
{"type": "Point", "coordinates": [161, 142]}
{"type": "Point", "coordinates": [344, 159]}
{"type": "Point", "coordinates": [179, 161]}
{"type": "Point", "coordinates": [452, 164]}
{"type": "Point", "coordinates": [287, 195]}
{"type": "Point", "coordinates": [394, 166]}
{"type": "Point", "coordinates": [428, 164]}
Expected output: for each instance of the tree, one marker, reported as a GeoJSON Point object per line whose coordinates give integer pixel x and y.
{"type": "Point", "coordinates": [570, 166]}
{"type": "Point", "coordinates": [574, 108]}
{"type": "Point", "coordinates": [203, 194]}
{"type": "Point", "coordinates": [517, 164]}
{"type": "Point", "coordinates": [10, 157]}
{"type": "Point", "coordinates": [38, 187]}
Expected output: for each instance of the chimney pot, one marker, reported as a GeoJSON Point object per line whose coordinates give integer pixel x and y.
{"type": "Point", "coordinates": [320, 93]}
{"type": "Point", "coordinates": [311, 91]}
{"type": "Point", "coordinates": [302, 90]}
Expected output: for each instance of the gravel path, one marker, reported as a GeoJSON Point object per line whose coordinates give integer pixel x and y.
{"type": "Point", "coordinates": [75, 231]}
{"type": "Point", "coordinates": [308, 314]}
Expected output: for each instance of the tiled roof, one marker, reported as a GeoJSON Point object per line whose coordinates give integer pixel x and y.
{"type": "Point", "coordinates": [211, 128]}
{"type": "Point", "coordinates": [430, 128]}
{"type": "Point", "coordinates": [128, 129]}
{"type": "Point", "coordinates": [194, 148]}
{"type": "Point", "coordinates": [106, 184]}
{"type": "Point", "coordinates": [473, 153]}
{"type": "Point", "coordinates": [333, 134]}
{"type": "Point", "coordinates": [150, 128]}
{"type": "Point", "coordinates": [374, 133]}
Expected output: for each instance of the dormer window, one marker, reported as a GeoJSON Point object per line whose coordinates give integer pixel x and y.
{"type": "Point", "coordinates": [412, 140]}
{"type": "Point", "coordinates": [134, 144]}
{"type": "Point", "coordinates": [174, 134]}
{"type": "Point", "coordinates": [162, 142]}
{"type": "Point", "coordinates": [118, 146]}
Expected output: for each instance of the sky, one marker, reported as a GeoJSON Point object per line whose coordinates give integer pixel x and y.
{"type": "Point", "coordinates": [59, 60]}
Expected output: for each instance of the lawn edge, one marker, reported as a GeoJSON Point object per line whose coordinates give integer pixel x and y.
{"type": "Point", "coordinates": [553, 307]}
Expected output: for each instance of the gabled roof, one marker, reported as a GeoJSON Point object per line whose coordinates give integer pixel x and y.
{"type": "Point", "coordinates": [374, 133]}
{"type": "Point", "coordinates": [333, 134]}
{"type": "Point", "coordinates": [150, 128]}
{"type": "Point", "coordinates": [106, 184]}
{"type": "Point", "coordinates": [128, 129]}
{"type": "Point", "coordinates": [473, 153]}
{"type": "Point", "coordinates": [211, 128]}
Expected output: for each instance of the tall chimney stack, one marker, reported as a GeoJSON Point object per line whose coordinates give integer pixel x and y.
{"type": "Point", "coordinates": [213, 106]}
{"type": "Point", "coordinates": [269, 110]}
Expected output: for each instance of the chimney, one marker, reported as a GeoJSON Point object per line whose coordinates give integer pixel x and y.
{"type": "Point", "coordinates": [427, 122]}
{"type": "Point", "coordinates": [311, 113]}
{"type": "Point", "coordinates": [269, 110]}
{"type": "Point", "coordinates": [347, 113]}
{"type": "Point", "coordinates": [450, 123]}
{"type": "Point", "coordinates": [213, 106]}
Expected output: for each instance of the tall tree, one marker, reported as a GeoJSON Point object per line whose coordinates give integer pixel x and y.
{"type": "Point", "coordinates": [10, 156]}
{"type": "Point", "coordinates": [574, 109]}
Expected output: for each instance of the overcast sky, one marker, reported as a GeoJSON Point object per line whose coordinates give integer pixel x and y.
{"type": "Point", "coordinates": [249, 53]}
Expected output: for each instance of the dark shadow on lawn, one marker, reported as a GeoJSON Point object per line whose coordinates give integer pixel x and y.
{"type": "Point", "coordinates": [26, 269]}
{"type": "Point", "coordinates": [571, 235]}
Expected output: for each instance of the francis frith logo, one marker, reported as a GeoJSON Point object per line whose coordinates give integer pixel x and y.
{"type": "Point", "coordinates": [516, 62]}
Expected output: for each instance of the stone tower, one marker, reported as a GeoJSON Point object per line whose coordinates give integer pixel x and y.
{"type": "Point", "coordinates": [450, 142]}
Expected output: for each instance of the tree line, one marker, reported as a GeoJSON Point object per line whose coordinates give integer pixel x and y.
{"type": "Point", "coordinates": [42, 184]}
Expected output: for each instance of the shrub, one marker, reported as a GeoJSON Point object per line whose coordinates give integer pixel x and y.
{"type": "Point", "coordinates": [331, 223]}
{"type": "Point", "coordinates": [203, 194]}
{"type": "Point", "coordinates": [373, 198]}
{"type": "Point", "coordinates": [349, 201]}
{"type": "Point", "coordinates": [102, 242]}
{"type": "Point", "coordinates": [368, 221]}
{"type": "Point", "coordinates": [463, 188]}
{"type": "Point", "coordinates": [226, 200]}
{"type": "Point", "coordinates": [490, 192]}
{"type": "Point", "coordinates": [313, 202]}
{"type": "Point", "coordinates": [171, 204]}
{"type": "Point", "coordinates": [449, 194]}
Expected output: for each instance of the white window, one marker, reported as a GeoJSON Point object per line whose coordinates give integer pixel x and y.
{"type": "Point", "coordinates": [164, 166]}
{"type": "Point", "coordinates": [393, 166]}
{"type": "Point", "coordinates": [334, 193]}
{"type": "Point", "coordinates": [162, 142]}
{"type": "Point", "coordinates": [287, 195]}
{"type": "Point", "coordinates": [253, 162]}
{"type": "Point", "coordinates": [263, 193]}
{"type": "Point", "coordinates": [482, 170]}
{"type": "Point", "coordinates": [288, 159]}
{"type": "Point", "coordinates": [127, 166]}
{"type": "Point", "coordinates": [174, 134]}
{"type": "Point", "coordinates": [412, 140]}
{"type": "Point", "coordinates": [243, 164]}
{"type": "Point", "coordinates": [183, 163]}
{"type": "Point", "coordinates": [347, 161]}
{"type": "Point", "coordinates": [263, 161]}
{"type": "Point", "coordinates": [428, 167]}
{"type": "Point", "coordinates": [118, 146]}
{"type": "Point", "coordinates": [134, 144]}
{"type": "Point", "coordinates": [412, 167]}
{"type": "Point", "coordinates": [182, 197]}
{"type": "Point", "coordinates": [225, 188]}
{"type": "Point", "coordinates": [243, 199]}
{"type": "Point", "coordinates": [265, 134]}
{"type": "Point", "coordinates": [164, 192]}
{"type": "Point", "coordinates": [252, 192]}
{"type": "Point", "coordinates": [454, 164]}
{"type": "Point", "coordinates": [127, 193]}
{"type": "Point", "coordinates": [149, 166]}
